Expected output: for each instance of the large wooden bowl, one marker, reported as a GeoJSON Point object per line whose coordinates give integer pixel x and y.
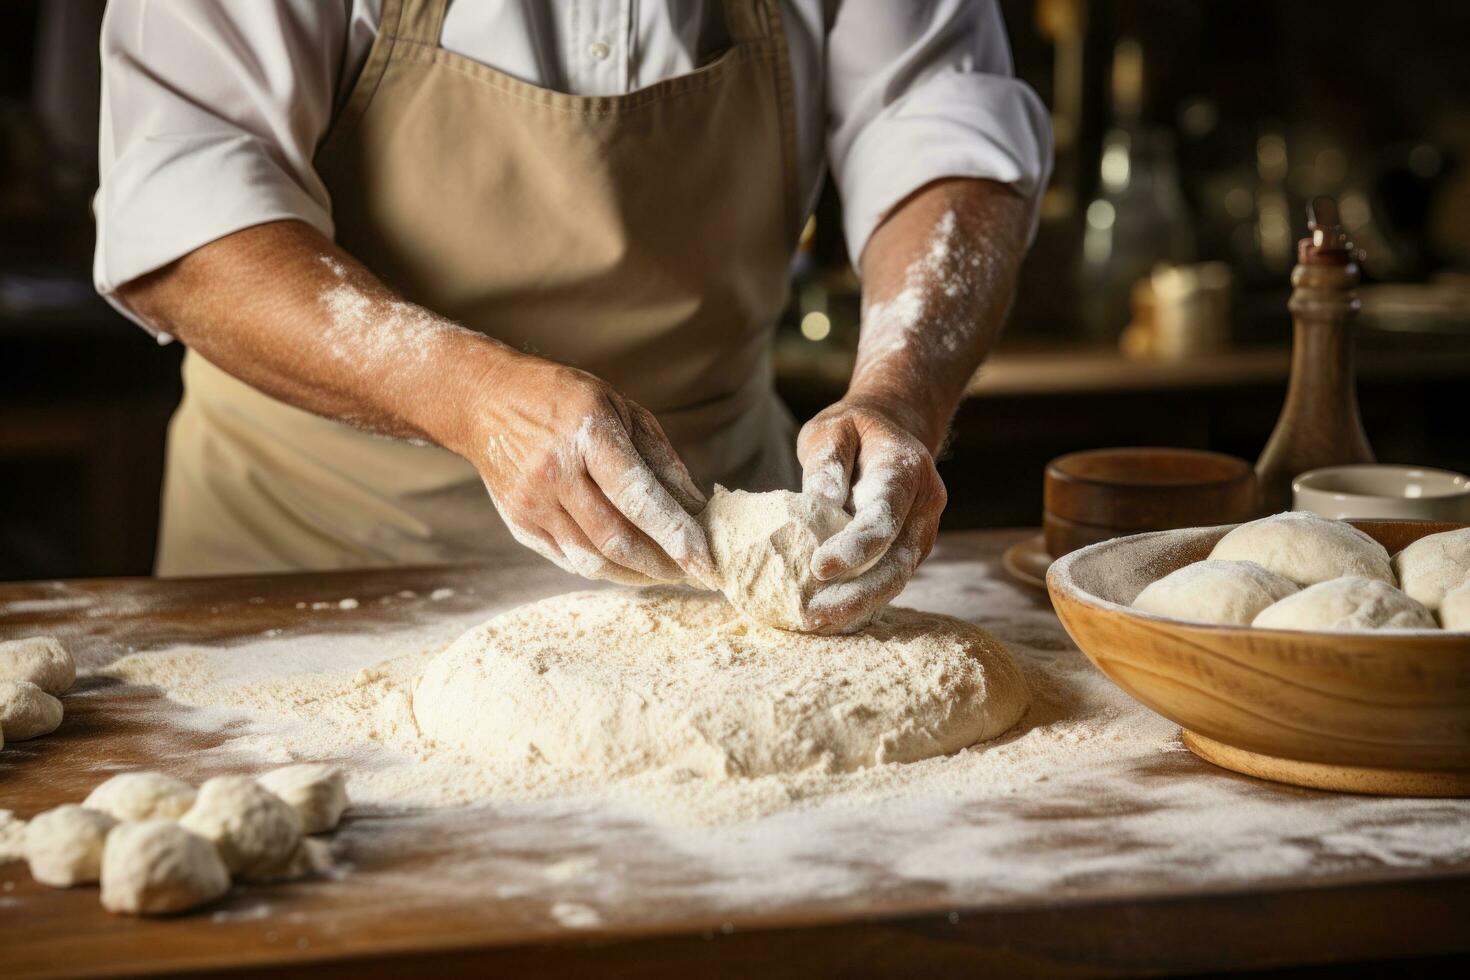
{"type": "Point", "coordinates": [1375, 712]}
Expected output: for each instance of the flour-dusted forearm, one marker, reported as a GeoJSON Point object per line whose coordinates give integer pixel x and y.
{"type": "Point", "coordinates": [580, 474]}
{"type": "Point", "coordinates": [938, 277]}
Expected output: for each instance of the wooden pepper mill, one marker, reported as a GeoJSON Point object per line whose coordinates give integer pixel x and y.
{"type": "Point", "coordinates": [1319, 425]}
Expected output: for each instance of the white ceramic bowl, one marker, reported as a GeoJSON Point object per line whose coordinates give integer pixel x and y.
{"type": "Point", "coordinates": [1383, 492]}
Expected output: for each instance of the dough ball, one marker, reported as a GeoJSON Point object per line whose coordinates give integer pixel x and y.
{"type": "Point", "coordinates": [64, 845]}
{"type": "Point", "coordinates": [42, 660]}
{"type": "Point", "coordinates": [1226, 593]}
{"type": "Point", "coordinates": [762, 545]}
{"type": "Point", "coordinates": [1307, 549]}
{"type": "Point", "coordinates": [156, 866]}
{"type": "Point", "coordinates": [26, 711]}
{"type": "Point", "coordinates": [1347, 604]}
{"type": "Point", "coordinates": [317, 792]}
{"type": "Point", "coordinates": [1434, 565]}
{"type": "Point", "coordinates": [254, 829]}
{"type": "Point", "coordinates": [1454, 609]}
{"type": "Point", "coordinates": [613, 683]}
{"type": "Point", "coordinates": [142, 796]}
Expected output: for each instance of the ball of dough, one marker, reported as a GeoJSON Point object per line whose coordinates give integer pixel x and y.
{"type": "Point", "coordinates": [156, 866]}
{"type": "Point", "coordinates": [1347, 604]}
{"type": "Point", "coordinates": [42, 660]}
{"type": "Point", "coordinates": [142, 796]}
{"type": "Point", "coordinates": [1454, 609]}
{"type": "Point", "coordinates": [1434, 565]}
{"type": "Point", "coordinates": [255, 831]}
{"type": "Point", "coordinates": [64, 846]}
{"type": "Point", "coordinates": [1307, 549]}
{"type": "Point", "coordinates": [612, 683]}
{"type": "Point", "coordinates": [26, 711]}
{"type": "Point", "coordinates": [762, 545]}
{"type": "Point", "coordinates": [1226, 593]}
{"type": "Point", "coordinates": [317, 792]}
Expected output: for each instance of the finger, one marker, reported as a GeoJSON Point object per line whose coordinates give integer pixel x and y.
{"type": "Point", "coordinates": [585, 559]}
{"type": "Point", "coordinates": [611, 535]}
{"type": "Point", "coordinates": [836, 607]}
{"type": "Point", "coordinates": [882, 498]}
{"type": "Point", "coordinates": [632, 488]}
{"type": "Point", "coordinates": [651, 443]}
{"type": "Point", "coordinates": [827, 451]}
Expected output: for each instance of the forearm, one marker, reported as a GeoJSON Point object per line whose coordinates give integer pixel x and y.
{"type": "Point", "coordinates": [282, 308]}
{"type": "Point", "coordinates": [938, 276]}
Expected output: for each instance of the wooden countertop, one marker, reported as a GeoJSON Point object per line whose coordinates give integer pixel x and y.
{"type": "Point", "coordinates": [1103, 892]}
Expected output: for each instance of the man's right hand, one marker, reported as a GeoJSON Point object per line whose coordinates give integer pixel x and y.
{"type": "Point", "coordinates": [586, 477]}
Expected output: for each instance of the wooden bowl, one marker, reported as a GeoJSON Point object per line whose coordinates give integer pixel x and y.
{"type": "Point", "coordinates": [1368, 712]}
{"type": "Point", "coordinates": [1103, 493]}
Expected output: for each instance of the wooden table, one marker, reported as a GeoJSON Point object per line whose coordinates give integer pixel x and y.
{"type": "Point", "coordinates": [662, 909]}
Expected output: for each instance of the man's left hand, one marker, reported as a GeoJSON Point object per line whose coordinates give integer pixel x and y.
{"type": "Point", "coordinates": [865, 452]}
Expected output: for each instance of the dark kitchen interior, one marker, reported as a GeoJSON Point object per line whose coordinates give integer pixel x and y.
{"type": "Point", "coordinates": [1190, 137]}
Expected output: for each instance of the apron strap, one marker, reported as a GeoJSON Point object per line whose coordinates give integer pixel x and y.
{"type": "Point", "coordinates": [420, 21]}
{"type": "Point", "coordinates": [751, 20]}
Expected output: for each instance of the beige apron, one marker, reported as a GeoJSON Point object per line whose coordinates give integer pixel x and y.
{"type": "Point", "coordinates": [643, 237]}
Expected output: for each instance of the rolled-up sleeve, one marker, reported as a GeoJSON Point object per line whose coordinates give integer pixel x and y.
{"type": "Point", "coordinates": [211, 113]}
{"type": "Point", "coordinates": [919, 91]}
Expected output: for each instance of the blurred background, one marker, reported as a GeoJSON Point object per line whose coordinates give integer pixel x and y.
{"type": "Point", "coordinates": [1152, 310]}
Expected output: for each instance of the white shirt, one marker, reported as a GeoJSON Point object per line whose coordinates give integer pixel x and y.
{"type": "Point", "coordinates": [212, 110]}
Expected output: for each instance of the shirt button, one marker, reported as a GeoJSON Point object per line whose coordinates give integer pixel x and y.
{"type": "Point", "coordinates": [598, 50]}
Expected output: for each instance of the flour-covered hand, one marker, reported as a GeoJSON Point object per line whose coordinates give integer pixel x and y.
{"type": "Point", "coordinates": [864, 455]}
{"type": "Point", "coordinates": [586, 478]}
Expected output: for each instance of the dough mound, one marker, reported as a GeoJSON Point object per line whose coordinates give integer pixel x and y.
{"type": "Point", "coordinates": [156, 866]}
{"type": "Point", "coordinates": [142, 796]}
{"type": "Point", "coordinates": [316, 791]}
{"type": "Point", "coordinates": [1347, 604]}
{"type": "Point", "coordinates": [1454, 611]}
{"type": "Point", "coordinates": [1434, 565]}
{"type": "Point", "coordinates": [613, 683]}
{"type": "Point", "coordinates": [64, 846]}
{"type": "Point", "coordinates": [1225, 593]}
{"type": "Point", "coordinates": [762, 545]}
{"type": "Point", "coordinates": [1307, 549]}
{"type": "Point", "coordinates": [255, 831]}
{"type": "Point", "coordinates": [42, 660]}
{"type": "Point", "coordinates": [26, 711]}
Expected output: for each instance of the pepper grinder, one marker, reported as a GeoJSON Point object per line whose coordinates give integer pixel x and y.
{"type": "Point", "coordinates": [1319, 424]}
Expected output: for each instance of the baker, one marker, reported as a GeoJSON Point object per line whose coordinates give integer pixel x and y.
{"type": "Point", "coordinates": [435, 262]}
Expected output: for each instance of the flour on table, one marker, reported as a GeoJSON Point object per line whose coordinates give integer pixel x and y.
{"type": "Point", "coordinates": [612, 684]}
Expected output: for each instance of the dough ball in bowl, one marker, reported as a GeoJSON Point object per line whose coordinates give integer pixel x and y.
{"type": "Point", "coordinates": [1454, 610]}
{"type": "Point", "coordinates": [1307, 549]}
{"type": "Point", "coordinates": [1225, 593]}
{"type": "Point", "coordinates": [1434, 565]}
{"type": "Point", "coordinates": [1350, 603]}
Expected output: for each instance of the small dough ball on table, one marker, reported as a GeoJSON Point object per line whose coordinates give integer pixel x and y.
{"type": "Point", "coordinates": [316, 791]}
{"type": "Point", "coordinates": [1454, 610]}
{"type": "Point", "coordinates": [1347, 604]}
{"type": "Point", "coordinates": [142, 796]}
{"type": "Point", "coordinates": [762, 545]}
{"type": "Point", "coordinates": [42, 660]}
{"type": "Point", "coordinates": [1223, 593]}
{"type": "Point", "coordinates": [26, 711]}
{"type": "Point", "coordinates": [254, 829]}
{"type": "Point", "coordinates": [64, 846]}
{"type": "Point", "coordinates": [1307, 549]}
{"type": "Point", "coordinates": [156, 866]}
{"type": "Point", "coordinates": [1434, 565]}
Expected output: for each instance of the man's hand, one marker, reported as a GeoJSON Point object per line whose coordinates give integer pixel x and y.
{"type": "Point", "coordinates": [586, 478]}
{"type": "Point", "coordinates": [865, 454]}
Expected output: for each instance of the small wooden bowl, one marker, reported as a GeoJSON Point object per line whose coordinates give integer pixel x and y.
{"type": "Point", "coordinates": [1371, 712]}
{"type": "Point", "coordinates": [1103, 493]}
